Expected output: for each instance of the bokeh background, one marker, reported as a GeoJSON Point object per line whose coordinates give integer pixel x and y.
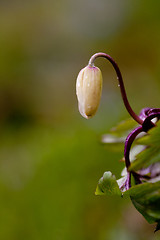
{"type": "Point", "coordinates": [50, 157]}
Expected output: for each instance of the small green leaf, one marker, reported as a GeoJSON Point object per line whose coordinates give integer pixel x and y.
{"type": "Point", "coordinates": [107, 185]}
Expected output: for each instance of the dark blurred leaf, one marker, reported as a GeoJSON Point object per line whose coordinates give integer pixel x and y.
{"type": "Point", "coordinates": [107, 185]}
{"type": "Point", "coordinates": [119, 132]}
{"type": "Point", "coordinates": [113, 143]}
{"type": "Point", "coordinates": [157, 227]}
{"type": "Point", "coordinates": [117, 135]}
{"type": "Point", "coordinates": [146, 199]}
{"type": "Point", "coordinates": [124, 126]}
{"type": "Point", "coordinates": [111, 139]}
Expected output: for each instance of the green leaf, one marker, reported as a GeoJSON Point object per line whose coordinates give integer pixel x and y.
{"type": "Point", "coordinates": [141, 189]}
{"type": "Point", "coordinates": [108, 185]}
{"type": "Point", "coordinates": [146, 199]}
{"type": "Point", "coordinates": [146, 160]}
{"type": "Point", "coordinates": [152, 152]}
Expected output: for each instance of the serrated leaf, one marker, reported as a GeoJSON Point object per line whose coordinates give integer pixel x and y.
{"type": "Point", "coordinates": [146, 199]}
{"type": "Point", "coordinates": [152, 152]}
{"type": "Point", "coordinates": [107, 185]}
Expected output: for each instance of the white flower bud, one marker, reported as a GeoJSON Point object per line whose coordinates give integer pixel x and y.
{"type": "Point", "coordinates": [88, 90]}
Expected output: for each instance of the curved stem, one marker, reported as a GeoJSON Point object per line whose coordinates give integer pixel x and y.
{"type": "Point", "coordinates": [128, 143]}
{"type": "Point", "coordinates": [119, 77]}
{"type": "Point", "coordinates": [147, 124]}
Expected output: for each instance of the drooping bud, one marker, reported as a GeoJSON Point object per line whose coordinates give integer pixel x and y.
{"type": "Point", "coordinates": [88, 90]}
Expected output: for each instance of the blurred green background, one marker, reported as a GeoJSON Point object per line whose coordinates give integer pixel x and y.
{"type": "Point", "coordinates": [50, 157]}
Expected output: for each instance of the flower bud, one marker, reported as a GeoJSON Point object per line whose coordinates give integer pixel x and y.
{"type": "Point", "coordinates": [88, 90]}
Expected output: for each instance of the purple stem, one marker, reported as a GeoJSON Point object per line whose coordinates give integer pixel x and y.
{"type": "Point", "coordinates": [128, 143]}
{"type": "Point", "coordinates": [147, 115]}
{"type": "Point", "coordinates": [120, 79]}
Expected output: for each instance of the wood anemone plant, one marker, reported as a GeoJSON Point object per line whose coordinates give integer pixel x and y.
{"type": "Point", "coordinates": [141, 180]}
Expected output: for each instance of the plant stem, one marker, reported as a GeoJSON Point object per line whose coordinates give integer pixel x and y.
{"type": "Point", "coordinates": [121, 84]}
{"type": "Point", "coordinates": [128, 143]}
